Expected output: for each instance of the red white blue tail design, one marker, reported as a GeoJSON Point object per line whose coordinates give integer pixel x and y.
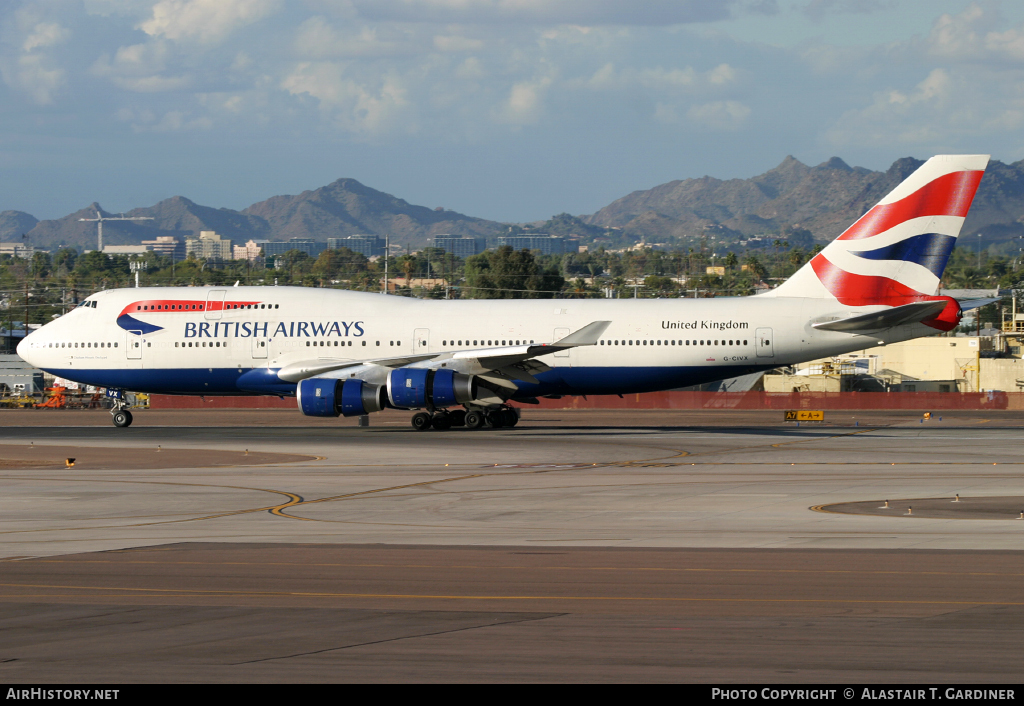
{"type": "Point", "coordinates": [896, 252]}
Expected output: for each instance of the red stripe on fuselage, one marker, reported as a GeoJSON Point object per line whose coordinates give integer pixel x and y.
{"type": "Point", "coordinates": [869, 290]}
{"type": "Point", "coordinates": [949, 195]}
{"type": "Point", "coordinates": [178, 306]}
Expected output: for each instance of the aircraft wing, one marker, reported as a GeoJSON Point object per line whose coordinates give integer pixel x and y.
{"type": "Point", "coordinates": [498, 364]}
{"type": "Point", "coordinates": [293, 372]}
{"type": "Point", "coordinates": [896, 316]}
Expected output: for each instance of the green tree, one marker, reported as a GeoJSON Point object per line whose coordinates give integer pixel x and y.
{"type": "Point", "coordinates": [756, 267]}
{"type": "Point", "coordinates": [505, 273]}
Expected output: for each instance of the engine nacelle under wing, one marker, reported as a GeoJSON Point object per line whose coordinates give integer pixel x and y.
{"type": "Point", "coordinates": [325, 397]}
{"type": "Point", "coordinates": [415, 388]}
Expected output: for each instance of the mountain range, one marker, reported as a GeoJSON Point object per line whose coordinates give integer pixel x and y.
{"type": "Point", "coordinates": [824, 200]}
{"type": "Point", "coordinates": [793, 197]}
{"type": "Point", "coordinates": [344, 207]}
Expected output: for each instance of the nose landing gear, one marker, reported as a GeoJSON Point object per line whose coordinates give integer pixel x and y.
{"type": "Point", "coordinates": [119, 413]}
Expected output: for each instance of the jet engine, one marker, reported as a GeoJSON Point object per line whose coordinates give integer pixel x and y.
{"type": "Point", "coordinates": [414, 388]}
{"type": "Point", "coordinates": [324, 397]}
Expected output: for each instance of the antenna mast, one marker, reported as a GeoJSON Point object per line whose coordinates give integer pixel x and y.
{"type": "Point", "coordinates": [99, 224]}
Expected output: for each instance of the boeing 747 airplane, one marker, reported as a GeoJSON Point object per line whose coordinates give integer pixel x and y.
{"type": "Point", "coordinates": [461, 362]}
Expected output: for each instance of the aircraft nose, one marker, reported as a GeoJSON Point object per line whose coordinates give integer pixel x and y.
{"type": "Point", "coordinates": [23, 350]}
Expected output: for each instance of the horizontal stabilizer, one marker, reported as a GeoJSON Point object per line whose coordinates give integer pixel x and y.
{"type": "Point", "coordinates": [897, 316]}
{"type": "Point", "coordinates": [969, 304]}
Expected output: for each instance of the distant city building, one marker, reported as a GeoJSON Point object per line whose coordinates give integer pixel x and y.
{"type": "Point", "coordinates": [18, 250]}
{"type": "Point", "coordinates": [460, 246]}
{"type": "Point", "coordinates": [250, 251]}
{"type": "Point", "coordinates": [369, 245]}
{"type": "Point", "coordinates": [209, 246]}
{"type": "Point", "coordinates": [416, 283]}
{"type": "Point", "coordinates": [547, 244]}
{"type": "Point", "coordinates": [16, 375]}
{"type": "Point", "coordinates": [125, 249]}
{"type": "Point", "coordinates": [167, 245]}
{"type": "Point", "coordinates": [306, 245]}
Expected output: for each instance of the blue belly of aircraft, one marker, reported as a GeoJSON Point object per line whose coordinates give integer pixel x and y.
{"type": "Point", "coordinates": [560, 381]}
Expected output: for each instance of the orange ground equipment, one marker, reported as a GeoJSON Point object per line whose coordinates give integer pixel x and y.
{"type": "Point", "coordinates": [57, 399]}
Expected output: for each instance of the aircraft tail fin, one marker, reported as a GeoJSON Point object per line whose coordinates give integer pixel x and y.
{"type": "Point", "coordinates": [896, 252]}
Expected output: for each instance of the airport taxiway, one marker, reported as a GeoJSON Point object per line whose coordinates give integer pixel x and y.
{"type": "Point", "coordinates": [580, 545]}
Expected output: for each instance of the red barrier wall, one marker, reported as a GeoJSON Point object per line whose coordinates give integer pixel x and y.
{"type": "Point", "coordinates": [921, 401]}
{"type": "Point", "coordinates": [189, 402]}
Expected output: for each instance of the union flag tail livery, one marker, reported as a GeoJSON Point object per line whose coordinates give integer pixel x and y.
{"type": "Point", "coordinates": [343, 353]}
{"type": "Point", "coordinates": [895, 253]}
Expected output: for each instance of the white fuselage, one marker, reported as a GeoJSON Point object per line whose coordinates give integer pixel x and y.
{"type": "Point", "coordinates": [201, 340]}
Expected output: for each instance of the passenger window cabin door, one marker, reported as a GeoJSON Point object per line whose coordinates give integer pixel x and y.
{"type": "Point", "coordinates": [765, 347]}
{"type": "Point", "coordinates": [260, 347]}
{"type": "Point", "coordinates": [133, 343]}
{"type": "Point", "coordinates": [421, 340]}
{"type": "Point", "coordinates": [215, 305]}
{"type": "Point", "coordinates": [561, 333]}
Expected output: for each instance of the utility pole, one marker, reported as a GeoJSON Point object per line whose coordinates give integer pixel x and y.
{"type": "Point", "coordinates": [26, 309]}
{"type": "Point", "coordinates": [99, 224]}
{"type": "Point", "coordinates": [387, 251]}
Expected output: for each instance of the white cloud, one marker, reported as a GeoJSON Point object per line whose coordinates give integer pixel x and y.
{"type": "Point", "coordinates": [665, 114]}
{"type": "Point", "coordinates": [818, 9]}
{"type": "Point", "coordinates": [352, 106]}
{"type": "Point", "coordinates": [107, 8]}
{"type": "Point", "coordinates": [32, 74]}
{"type": "Point", "coordinates": [524, 105]}
{"type": "Point", "coordinates": [719, 115]}
{"type": "Point", "coordinates": [176, 121]}
{"type": "Point", "coordinates": [317, 38]}
{"type": "Point", "coordinates": [207, 21]}
{"type": "Point", "coordinates": [957, 35]}
{"type": "Point", "coordinates": [975, 34]}
{"type": "Point", "coordinates": [1009, 43]}
{"type": "Point", "coordinates": [457, 44]}
{"type": "Point", "coordinates": [31, 69]}
{"type": "Point", "coordinates": [579, 12]}
{"type": "Point", "coordinates": [470, 70]}
{"type": "Point", "coordinates": [45, 34]}
{"type": "Point", "coordinates": [241, 62]}
{"type": "Point", "coordinates": [659, 78]}
{"type": "Point", "coordinates": [904, 117]}
{"type": "Point", "coordinates": [139, 68]}
{"type": "Point", "coordinates": [721, 75]}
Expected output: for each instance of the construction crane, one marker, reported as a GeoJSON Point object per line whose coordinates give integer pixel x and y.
{"type": "Point", "coordinates": [99, 223]}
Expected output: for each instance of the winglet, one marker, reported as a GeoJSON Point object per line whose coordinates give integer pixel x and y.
{"type": "Point", "coordinates": [589, 335]}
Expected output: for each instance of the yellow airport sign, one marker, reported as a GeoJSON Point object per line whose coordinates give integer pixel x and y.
{"type": "Point", "coordinates": [805, 415]}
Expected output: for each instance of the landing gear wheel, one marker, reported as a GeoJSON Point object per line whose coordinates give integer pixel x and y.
{"type": "Point", "coordinates": [474, 420]}
{"type": "Point", "coordinates": [122, 418]}
{"type": "Point", "coordinates": [442, 422]}
{"type": "Point", "coordinates": [496, 420]}
{"type": "Point", "coordinates": [457, 417]}
{"type": "Point", "coordinates": [421, 421]}
{"type": "Point", "coordinates": [511, 418]}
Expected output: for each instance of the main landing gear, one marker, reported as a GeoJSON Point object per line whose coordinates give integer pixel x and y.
{"type": "Point", "coordinates": [503, 417]}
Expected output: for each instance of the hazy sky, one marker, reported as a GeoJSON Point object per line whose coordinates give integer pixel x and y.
{"type": "Point", "coordinates": [504, 109]}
